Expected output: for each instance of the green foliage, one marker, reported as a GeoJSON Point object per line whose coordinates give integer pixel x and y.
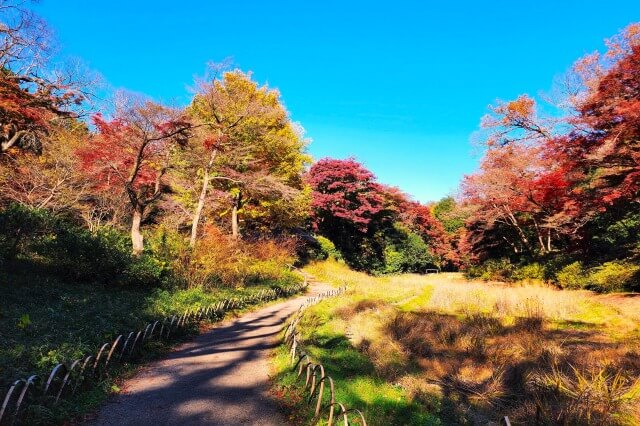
{"type": "Point", "coordinates": [393, 260]}
{"type": "Point", "coordinates": [616, 234]}
{"type": "Point", "coordinates": [406, 251]}
{"type": "Point", "coordinates": [37, 239]}
{"type": "Point", "coordinates": [572, 276]}
{"type": "Point", "coordinates": [614, 276]}
{"type": "Point", "coordinates": [610, 276]}
{"type": "Point", "coordinates": [328, 250]}
{"type": "Point", "coordinates": [446, 211]}
{"type": "Point", "coordinates": [24, 321]}
{"type": "Point", "coordinates": [367, 255]}
{"type": "Point", "coordinates": [392, 249]}
{"type": "Point", "coordinates": [492, 270]}
{"type": "Point", "coordinates": [531, 271]}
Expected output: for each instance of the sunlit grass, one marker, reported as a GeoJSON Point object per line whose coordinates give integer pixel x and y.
{"type": "Point", "coordinates": [461, 351]}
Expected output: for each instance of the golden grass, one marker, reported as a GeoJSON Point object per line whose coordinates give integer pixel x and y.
{"type": "Point", "coordinates": [483, 350]}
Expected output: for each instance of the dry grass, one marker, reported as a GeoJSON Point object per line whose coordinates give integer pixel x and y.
{"type": "Point", "coordinates": [476, 351]}
{"type": "Point", "coordinates": [219, 260]}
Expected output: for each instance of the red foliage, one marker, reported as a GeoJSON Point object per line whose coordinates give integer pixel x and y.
{"type": "Point", "coordinates": [612, 147]}
{"type": "Point", "coordinates": [419, 218]}
{"type": "Point", "coordinates": [23, 111]}
{"type": "Point", "coordinates": [131, 149]}
{"type": "Point", "coordinates": [111, 155]}
{"type": "Point", "coordinates": [539, 185]}
{"type": "Point", "coordinates": [344, 189]}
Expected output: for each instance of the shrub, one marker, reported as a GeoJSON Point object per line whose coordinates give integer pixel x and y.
{"type": "Point", "coordinates": [220, 260]}
{"type": "Point", "coordinates": [147, 270]}
{"type": "Point", "coordinates": [613, 276]}
{"type": "Point", "coordinates": [328, 250]}
{"type": "Point", "coordinates": [416, 254]}
{"type": "Point", "coordinates": [572, 276]}
{"type": "Point", "coordinates": [394, 261]}
{"type": "Point", "coordinates": [492, 270]}
{"type": "Point", "coordinates": [532, 271]}
{"type": "Point", "coordinates": [60, 247]}
{"type": "Point", "coordinates": [406, 251]}
{"type": "Point", "coordinates": [19, 228]}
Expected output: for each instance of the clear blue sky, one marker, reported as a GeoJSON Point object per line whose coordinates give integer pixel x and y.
{"type": "Point", "coordinates": [400, 85]}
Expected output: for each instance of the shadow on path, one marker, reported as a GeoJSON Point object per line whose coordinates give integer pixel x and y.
{"type": "Point", "coordinates": [219, 378]}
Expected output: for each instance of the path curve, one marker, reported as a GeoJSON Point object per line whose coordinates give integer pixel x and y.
{"type": "Point", "coordinates": [219, 378]}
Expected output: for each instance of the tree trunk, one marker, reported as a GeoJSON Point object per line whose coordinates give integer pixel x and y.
{"type": "Point", "coordinates": [137, 239]}
{"type": "Point", "coordinates": [514, 222]}
{"type": "Point", "coordinates": [4, 146]}
{"type": "Point", "coordinates": [235, 229]}
{"type": "Point", "coordinates": [198, 212]}
{"type": "Point", "coordinates": [543, 248]}
{"type": "Point", "coordinates": [201, 200]}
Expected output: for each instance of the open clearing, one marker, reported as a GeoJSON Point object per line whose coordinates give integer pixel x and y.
{"type": "Point", "coordinates": [438, 349]}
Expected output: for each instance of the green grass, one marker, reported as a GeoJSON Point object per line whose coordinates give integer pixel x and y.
{"type": "Point", "coordinates": [45, 321]}
{"type": "Point", "coordinates": [356, 383]}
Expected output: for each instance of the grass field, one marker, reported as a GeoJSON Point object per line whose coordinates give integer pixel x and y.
{"type": "Point", "coordinates": [438, 349]}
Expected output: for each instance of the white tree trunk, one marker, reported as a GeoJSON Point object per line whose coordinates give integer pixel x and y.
{"type": "Point", "coordinates": [235, 231]}
{"type": "Point", "coordinates": [199, 208]}
{"type": "Point", "coordinates": [137, 239]}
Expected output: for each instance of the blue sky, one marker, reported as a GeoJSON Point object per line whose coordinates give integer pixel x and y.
{"type": "Point", "coordinates": [399, 85]}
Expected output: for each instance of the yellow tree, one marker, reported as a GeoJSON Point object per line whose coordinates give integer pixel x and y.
{"type": "Point", "coordinates": [249, 147]}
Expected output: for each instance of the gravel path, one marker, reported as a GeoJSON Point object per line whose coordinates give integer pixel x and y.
{"type": "Point", "coordinates": [219, 378]}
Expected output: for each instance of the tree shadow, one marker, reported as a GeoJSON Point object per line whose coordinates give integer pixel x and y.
{"type": "Point", "coordinates": [218, 378]}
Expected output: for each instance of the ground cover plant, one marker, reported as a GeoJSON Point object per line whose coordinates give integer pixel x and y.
{"type": "Point", "coordinates": [445, 350]}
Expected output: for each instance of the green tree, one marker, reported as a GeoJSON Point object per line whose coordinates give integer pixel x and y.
{"type": "Point", "coordinates": [449, 213]}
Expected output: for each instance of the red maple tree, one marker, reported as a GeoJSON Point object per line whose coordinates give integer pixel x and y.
{"type": "Point", "coordinates": [132, 152]}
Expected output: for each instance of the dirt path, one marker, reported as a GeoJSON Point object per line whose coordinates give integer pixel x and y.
{"type": "Point", "coordinates": [219, 378]}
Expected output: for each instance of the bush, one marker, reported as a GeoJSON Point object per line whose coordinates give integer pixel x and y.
{"type": "Point", "coordinates": [393, 261]}
{"type": "Point", "coordinates": [327, 250]}
{"type": "Point", "coordinates": [613, 276]}
{"type": "Point", "coordinates": [531, 271]}
{"type": "Point", "coordinates": [572, 276]}
{"type": "Point", "coordinates": [60, 247]}
{"type": "Point", "coordinates": [220, 260]}
{"type": "Point", "coordinates": [407, 253]}
{"type": "Point", "coordinates": [19, 228]}
{"type": "Point", "coordinates": [492, 270]}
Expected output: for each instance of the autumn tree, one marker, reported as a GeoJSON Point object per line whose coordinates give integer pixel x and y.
{"type": "Point", "coordinates": [132, 152]}
{"type": "Point", "coordinates": [345, 196]}
{"type": "Point", "coordinates": [557, 182]}
{"type": "Point", "coordinates": [610, 148]}
{"type": "Point", "coordinates": [347, 205]}
{"type": "Point", "coordinates": [520, 193]}
{"type": "Point", "coordinates": [248, 147]}
{"type": "Point", "coordinates": [50, 180]}
{"type": "Point", "coordinates": [32, 96]}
